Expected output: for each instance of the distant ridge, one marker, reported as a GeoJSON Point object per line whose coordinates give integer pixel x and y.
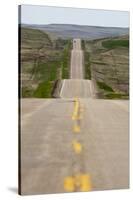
{"type": "Point", "coordinates": [80, 31]}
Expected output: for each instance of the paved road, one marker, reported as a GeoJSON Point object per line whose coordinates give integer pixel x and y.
{"type": "Point", "coordinates": [48, 156]}
{"type": "Point", "coordinates": [77, 88]}
{"type": "Point", "coordinates": [75, 143]}
{"type": "Point", "coordinates": [76, 60]}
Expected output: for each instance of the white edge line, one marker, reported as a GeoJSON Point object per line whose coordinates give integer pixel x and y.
{"type": "Point", "coordinates": [62, 88]}
{"type": "Point", "coordinates": [90, 85]}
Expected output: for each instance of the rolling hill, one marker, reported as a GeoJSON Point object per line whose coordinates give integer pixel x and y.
{"type": "Point", "coordinates": [42, 62]}
{"type": "Point", "coordinates": [79, 31]}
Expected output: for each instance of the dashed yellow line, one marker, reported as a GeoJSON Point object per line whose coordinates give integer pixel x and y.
{"type": "Point", "coordinates": [76, 99]}
{"type": "Point", "coordinates": [69, 184]}
{"type": "Point", "coordinates": [76, 128]}
{"type": "Point", "coordinates": [80, 182]}
{"type": "Point", "coordinates": [76, 109]}
{"type": "Point", "coordinates": [76, 115]}
{"type": "Point", "coordinates": [85, 183]}
{"type": "Point", "coordinates": [77, 147]}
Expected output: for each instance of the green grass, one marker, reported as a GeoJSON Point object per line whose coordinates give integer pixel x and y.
{"type": "Point", "coordinates": [109, 68]}
{"type": "Point", "coordinates": [43, 61]}
{"type": "Point", "coordinates": [87, 65]}
{"type": "Point", "coordinates": [43, 90]}
{"type": "Point", "coordinates": [26, 92]}
{"type": "Point", "coordinates": [109, 93]}
{"type": "Point", "coordinates": [32, 38]}
{"type": "Point", "coordinates": [83, 44]}
{"type": "Point", "coordinates": [46, 71]}
{"type": "Point", "coordinates": [98, 63]}
{"type": "Point", "coordinates": [49, 72]}
{"type": "Point", "coordinates": [104, 86]}
{"type": "Point", "coordinates": [116, 96]}
{"type": "Point", "coordinates": [60, 43]}
{"type": "Point", "coordinates": [111, 44]}
{"type": "Point", "coordinates": [65, 62]}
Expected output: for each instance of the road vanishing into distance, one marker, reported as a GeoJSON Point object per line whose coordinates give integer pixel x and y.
{"type": "Point", "coordinates": [76, 142]}
{"type": "Point", "coordinates": [76, 60]}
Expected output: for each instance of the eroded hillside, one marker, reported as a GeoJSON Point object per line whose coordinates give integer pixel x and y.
{"type": "Point", "coordinates": [107, 63]}
{"type": "Point", "coordinates": [43, 61]}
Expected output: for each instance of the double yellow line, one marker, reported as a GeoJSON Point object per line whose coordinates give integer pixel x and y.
{"type": "Point", "coordinates": [79, 182]}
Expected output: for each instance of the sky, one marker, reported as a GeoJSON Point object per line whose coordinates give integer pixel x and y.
{"type": "Point", "coordinates": [33, 14]}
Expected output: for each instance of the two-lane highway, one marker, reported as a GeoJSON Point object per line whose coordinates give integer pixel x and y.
{"type": "Point", "coordinates": [77, 85]}
{"type": "Point", "coordinates": [76, 142]}
{"type": "Point", "coordinates": [76, 60]}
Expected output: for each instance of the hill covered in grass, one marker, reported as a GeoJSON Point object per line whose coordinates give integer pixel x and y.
{"type": "Point", "coordinates": [43, 61]}
{"type": "Point", "coordinates": [80, 31]}
{"type": "Point", "coordinates": [107, 60]}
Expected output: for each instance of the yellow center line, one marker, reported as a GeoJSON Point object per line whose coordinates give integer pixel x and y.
{"type": "Point", "coordinates": [69, 184]}
{"type": "Point", "coordinates": [76, 128]}
{"type": "Point", "coordinates": [80, 182]}
{"type": "Point", "coordinates": [77, 147]}
{"type": "Point", "coordinates": [75, 112]}
{"type": "Point", "coordinates": [85, 183]}
{"type": "Point", "coordinates": [76, 115]}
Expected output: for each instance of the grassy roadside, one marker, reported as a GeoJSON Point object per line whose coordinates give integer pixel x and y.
{"type": "Point", "coordinates": [46, 74]}
{"type": "Point", "coordinates": [111, 44]}
{"type": "Point", "coordinates": [104, 86]}
{"type": "Point", "coordinates": [87, 64]}
{"type": "Point", "coordinates": [108, 92]}
{"type": "Point", "coordinates": [43, 61]}
{"type": "Point", "coordinates": [50, 72]}
{"type": "Point", "coordinates": [65, 63]}
{"type": "Point", "coordinates": [117, 96]}
{"type": "Point", "coordinates": [43, 90]}
{"type": "Point", "coordinates": [108, 60]}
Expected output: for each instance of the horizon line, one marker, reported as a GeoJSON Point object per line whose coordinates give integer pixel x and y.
{"type": "Point", "coordinates": [75, 25]}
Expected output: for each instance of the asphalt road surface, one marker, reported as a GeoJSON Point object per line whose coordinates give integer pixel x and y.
{"type": "Point", "coordinates": [77, 88]}
{"type": "Point", "coordinates": [76, 60]}
{"type": "Point", "coordinates": [74, 143]}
